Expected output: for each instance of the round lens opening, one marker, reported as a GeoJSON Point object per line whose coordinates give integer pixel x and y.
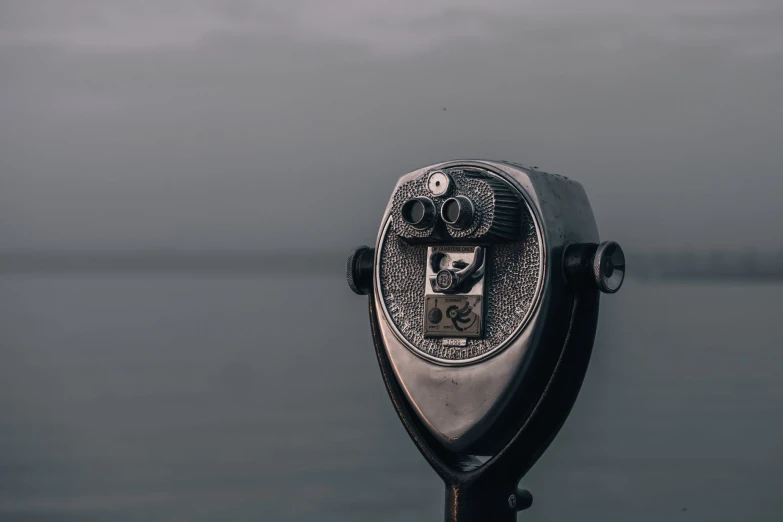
{"type": "Point", "coordinates": [413, 211]}
{"type": "Point", "coordinates": [451, 210]}
{"type": "Point", "coordinates": [418, 212]}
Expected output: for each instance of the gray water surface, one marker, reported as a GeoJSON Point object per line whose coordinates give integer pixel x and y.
{"type": "Point", "coordinates": [234, 398]}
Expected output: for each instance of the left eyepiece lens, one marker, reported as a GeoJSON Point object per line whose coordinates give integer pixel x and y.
{"type": "Point", "coordinates": [419, 212]}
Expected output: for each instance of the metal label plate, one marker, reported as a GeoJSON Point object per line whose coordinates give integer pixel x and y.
{"type": "Point", "coordinates": [453, 316]}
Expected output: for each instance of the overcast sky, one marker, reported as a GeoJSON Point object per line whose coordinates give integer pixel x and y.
{"type": "Point", "coordinates": [252, 125]}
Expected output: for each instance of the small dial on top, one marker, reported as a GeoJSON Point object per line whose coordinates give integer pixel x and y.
{"type": "Point", "coordinates": [438, 183]}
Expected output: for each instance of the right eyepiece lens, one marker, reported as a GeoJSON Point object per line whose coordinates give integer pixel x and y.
{"type": "Point", "coordinates": [418, 212]}
{"type": "Point", "coordinates": [451, 211]}
{"type": "Point", "coordinates": [457, 212]}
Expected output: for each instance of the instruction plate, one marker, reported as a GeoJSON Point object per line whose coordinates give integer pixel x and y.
{"type": "Point", "coordinates": [452, 316]}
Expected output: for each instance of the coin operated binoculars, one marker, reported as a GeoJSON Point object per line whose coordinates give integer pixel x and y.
{"type": "Point", "coordinates": [484, 286]}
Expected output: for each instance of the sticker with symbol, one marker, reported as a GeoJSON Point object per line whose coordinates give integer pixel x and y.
{"type": "Point", "coordinates": [453, 316]}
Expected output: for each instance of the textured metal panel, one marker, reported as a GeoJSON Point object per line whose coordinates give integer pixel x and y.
{"type": "Point", "coordinates": [499, 208]}
{"type": "Point", "coordinates": [513, 278]}
{"type": "Point", "coordinates": [465, 405]}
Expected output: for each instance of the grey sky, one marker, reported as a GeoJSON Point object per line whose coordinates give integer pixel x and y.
{"type": "Point", "coordinates": [245, 124]}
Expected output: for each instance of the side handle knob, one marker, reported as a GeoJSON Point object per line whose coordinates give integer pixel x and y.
{"type": "Point", "coordinates": [609, 267]}
{"type": "Point", "coordinates": [602, 265]}
{"type": "Point", "coordinates": [358, 270]}
{"type": "Point", "coordinates": [520, 500]}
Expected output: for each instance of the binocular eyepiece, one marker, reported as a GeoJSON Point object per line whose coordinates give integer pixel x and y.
{"type": "Point", "coordinates": [484, 284]}
{"type": "Point", "coordinates": [459, 205]}
{"type": "Point", "coordinates": [458, 212]}
{"type": "Point", "coordinates": [421, 212]}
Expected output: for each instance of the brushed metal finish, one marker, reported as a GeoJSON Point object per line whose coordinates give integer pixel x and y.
{"type": "Point", "coordinates": [461, 404]}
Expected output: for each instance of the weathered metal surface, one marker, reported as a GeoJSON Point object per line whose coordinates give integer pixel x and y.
{"type": "Point", "coordinates": [482, 384]}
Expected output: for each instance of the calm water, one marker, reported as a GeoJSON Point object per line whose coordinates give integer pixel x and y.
{"type": "Point", "coordinates": [203, 399]}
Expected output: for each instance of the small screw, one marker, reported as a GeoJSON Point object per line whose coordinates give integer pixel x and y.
{"type": "Point", "coordinates": [520, 500]}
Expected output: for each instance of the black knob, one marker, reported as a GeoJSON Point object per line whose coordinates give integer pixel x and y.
{"type": "Point", "coordinates": [358, 270]}
{"type": "Point", "coordinates": [600, 265]}
{"type": "Point", "coordinates": [609, 267]}
{"type": "Point", "coordinates": [520, 500]}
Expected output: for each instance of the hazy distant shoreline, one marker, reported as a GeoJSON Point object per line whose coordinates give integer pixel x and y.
{"type": "Point", "coordinates": [172, 262]}
{"type": "Point", "coordinates": [650, 265]}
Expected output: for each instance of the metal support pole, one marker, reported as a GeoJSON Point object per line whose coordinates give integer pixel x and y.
{"type": "Point", "coordinates": [480, 502]}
